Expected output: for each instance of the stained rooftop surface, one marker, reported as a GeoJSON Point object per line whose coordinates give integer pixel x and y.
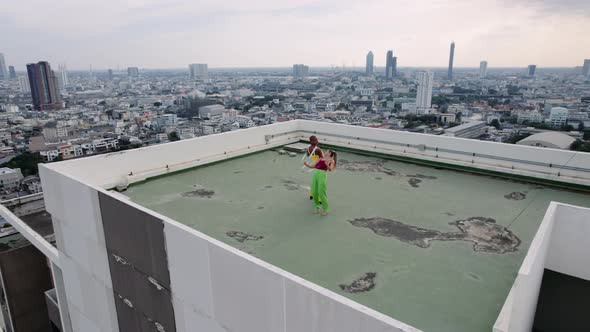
{"type": "Point", "coordinates": [434, 248]}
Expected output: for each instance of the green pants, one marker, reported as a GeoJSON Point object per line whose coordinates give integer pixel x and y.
{"type": "Point", "coordinates": [319, 189]}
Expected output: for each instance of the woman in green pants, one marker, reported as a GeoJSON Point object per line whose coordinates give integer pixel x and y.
{"type": "Point", "coordinates": [318, 181]}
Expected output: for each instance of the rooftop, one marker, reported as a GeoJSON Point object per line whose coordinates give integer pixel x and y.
{"type": "Point", "coordinates": [402, 239]}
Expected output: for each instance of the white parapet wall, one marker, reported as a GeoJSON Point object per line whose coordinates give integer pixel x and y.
{"type": "Point", "coordinates": [561, 245]}
{"type": "Point", "coordinates": [215, 287]}
{"type": "Point", "coordinates": [130, 166]}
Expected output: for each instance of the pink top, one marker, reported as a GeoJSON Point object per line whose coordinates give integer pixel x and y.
{"type": "Point", "coordinates": [321, 165]}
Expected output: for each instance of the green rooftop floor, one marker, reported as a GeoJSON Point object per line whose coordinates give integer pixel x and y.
{"type": "Point", "coordinates": [436, 249]}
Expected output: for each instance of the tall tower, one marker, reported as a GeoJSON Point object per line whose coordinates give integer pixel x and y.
{"type": "Point", "coordinates": [300, 70]}
{"type": "Point", "coordinates": [110, 74]}
{"type": "Point", "coordinates": [451, 57]}
{"type": "Point", "coordinates": [3, 71]}
{"type": "Point", "coordinates": [424, 93]}
{"type": "Point", "coordinates": [586, 68]}
{"type": "Point", "coordinates": [369, 68]}
{"type": "Point", "coordinates": [483, 69]}
{"type": "Point", "coordinates": [389, 65]}
{"type": "Point", "coordinates": [198, 71]}
{"type": "Point", "coordinates": [532, 69]}
{"type": "Point", "coordinates": [63, 73]}
{"type": "Point", "coordinates": [11, 72]}
{"type": "Point", "coordinates": [132, 71]}
{"type": "Point", "coordinates": [44, 86]}
{"type": "Point", "coordinates": [394, 70]}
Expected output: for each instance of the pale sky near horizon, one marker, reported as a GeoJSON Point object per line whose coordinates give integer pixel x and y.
{"type": "Point", "coordinates": [278, 33]}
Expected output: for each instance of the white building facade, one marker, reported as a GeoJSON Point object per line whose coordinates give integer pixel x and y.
{"type": "Point", "coordinates": [198, 71]}
{"type": "Point", "coordinates": [558, 116]}
{"type": "Point", "coordinates": [424, 92]}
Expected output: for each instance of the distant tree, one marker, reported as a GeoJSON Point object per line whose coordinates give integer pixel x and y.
{"type": "Point", "coordinates": [308, 96]}
{"type": "Point", "coordinates": [567, 128]}
{"type": "Point", "coordinates": [173, 136]}
{"type": "Point", "coordinates": [493, 102]}
{"type": "Point", "coordinates": [157, 104]}
{"type": "Point", "coordinates": [495, 123]}
{"type": "Point", "coordinates": [581, 126]}
{"type": "Point", "coordinates": [512, 89]}
{"type": "Point", "coordinates": [580, 146]}
{"type": "Point", "coordinates": [27, 162]}
{"type": "Point", "coordinates": [492, 91]}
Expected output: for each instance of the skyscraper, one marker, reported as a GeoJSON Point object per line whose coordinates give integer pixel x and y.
{"type": "Point", "coordinates": [63, 74]}
{"type": "Point", "coordinates": [23, 83]}
{"type": "Point", "coordinates": [451, 57]}
{"type": "Point", "coordinates": [198, 71]}
{"type": "Point", "coordinates": [110, 74]}
{"type": "Point", "coordinates": [44, 86]}
{"type": "Point", "coordinates": [3, 71]}
{"type": "Point", "coordinates": [531, 70]}
{"type": "Point", "coordinates": [11, 72]}
{"type": "Point", "coordinates": [132, 71]}
{"type": "Point", "coordinates": [369, 68]}
{"type": "Point", "coordinates": [483, 69]}
{"type": "Point", "coordinates": [394, 66]}
{"type": "Point", "coordinates": [424, 93]}
{"type": "Point", "coordinates": [300, 70]}
{"type": "Point", "coordinates": [586, 68]}
{"type": "Point", "coordinates": [389, 65]}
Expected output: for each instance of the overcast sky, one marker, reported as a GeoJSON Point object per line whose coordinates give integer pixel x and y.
{"type": "Point", "coordinates": [273, 33]}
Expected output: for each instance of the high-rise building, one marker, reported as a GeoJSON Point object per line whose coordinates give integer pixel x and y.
{"type": "Point", "coordinates": [44, 86]}
{"type": "Point", "coordinates": [394, 66]}
{"type": "Point", "coordinates": [586, 68]}
{"type": "Point", "coordinates": [23, 83]}
{"type": "Point", "coordinates": [483, 69]}
{"type": "Point", "coordinates": [110, 74]}
{"type": "Point", "coordinates": [451, 58]}
{"type": "Point", "coordinates": [3, 71]}
{"type": "Point", "coordinates": [132, 71]}
{"type": "Point", "coordinates": [63, 75]}
{"type": "Point", "coordinates": [198, 71]}
{"type": "Point", "coordinates": [389, 71]}
{"type": "Point", "coordinates": [11, 72]}
{"type": "Point", "coordinates": [369, 68]}
{"type": "Point", "coordinates": [532, 70]}
{"type": "Point", "coordinates": [424, 93]}
{"type": "Point", "coordinates": [300, 70]}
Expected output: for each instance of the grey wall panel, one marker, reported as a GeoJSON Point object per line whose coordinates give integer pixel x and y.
{"type": "Point", "coordinates": [136, 236]}
{"type": "Point", "coordinates": [130, 320]}
{"type": "Point", "coordinates": [26, 279]}
{"type": "Point", "coordinates": [147, 297]}
{"type": "Point", "coordinates": [138, 267]}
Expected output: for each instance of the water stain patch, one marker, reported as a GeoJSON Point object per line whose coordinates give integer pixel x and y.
{"type": "Point", "coordinates": [374, 166]}
{"type": "Point", "coordinates": [485, 233]}
{"type": "Point", "coordinates": [199, 193]}
{"type": "Point", "coordinates": [414, 182]}
{"type": "Point", "coordinates": [242, 237]}
{"type": "Point", "coordinates": [515, 196]}
{"type": "Point", "coordinates": [473, 276]}
{"type": "Point", "coordinates": [365, 283]}
{"type": "Point", "coordinates": [290, 185]}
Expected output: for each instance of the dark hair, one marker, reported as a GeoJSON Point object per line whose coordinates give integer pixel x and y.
{"type": "Point", "coordinates": [312, 137]}
{"type": "Point", "coordinates": [334, 156]}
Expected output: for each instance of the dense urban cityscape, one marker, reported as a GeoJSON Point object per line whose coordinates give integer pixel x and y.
{"type": "Point", "coordinates": [51, 114]}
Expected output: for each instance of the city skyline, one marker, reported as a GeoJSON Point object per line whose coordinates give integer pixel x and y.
{"type": "Point", "coordinates": [153, 34]}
